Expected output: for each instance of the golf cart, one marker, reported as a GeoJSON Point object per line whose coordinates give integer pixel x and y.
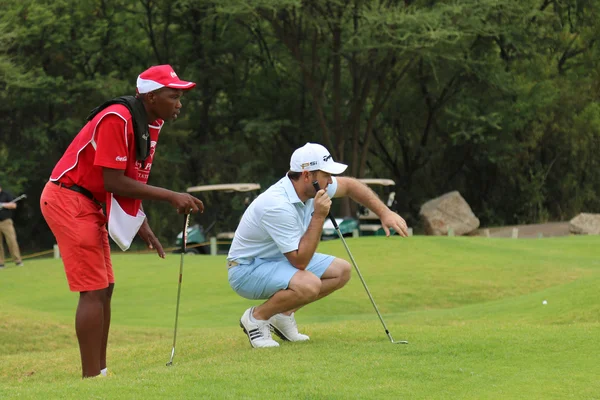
{"type": "Point", "coordinates": [224, 215]}
{"type": "Point", "coordinates": [367, 222]}
{"type": "Point", "coordinates": [347, 226]}
{"type": "Point", "coordinates": [370, 225]}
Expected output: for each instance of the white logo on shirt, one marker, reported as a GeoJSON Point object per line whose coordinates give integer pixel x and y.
{"type": "Point", "coordinates": [119, 158]}
{"type": "Point", "coordinates": [152, 148]}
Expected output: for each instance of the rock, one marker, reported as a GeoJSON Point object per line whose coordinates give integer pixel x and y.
{"type": "Point", "coordinates": [585, 224]}
{"type": "Point", "coordinates": [449, 211]}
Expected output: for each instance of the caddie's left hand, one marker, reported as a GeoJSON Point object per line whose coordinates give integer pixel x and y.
{"type": "Point", "coordinates": [151, 241]}
{"type": "Point", "coordinates": [392, 220]}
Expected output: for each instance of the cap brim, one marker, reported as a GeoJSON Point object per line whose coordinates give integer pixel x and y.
{"type": "Point", "coordinates": [183, 85]}
{"type": "Point", "coordinates": [334, 168]}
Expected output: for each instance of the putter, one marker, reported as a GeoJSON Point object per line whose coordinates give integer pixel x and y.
{"type": "Point", "coordinates": [23, 196]}
{"type": "Point", "coordinates": [337, 229]}
{"type": "Point", "coordinates": [183, 247]}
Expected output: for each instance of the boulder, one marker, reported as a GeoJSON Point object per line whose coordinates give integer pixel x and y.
{"type": "Point", "coordinates": [448, 211]}
{"type": "Point", "coordinates": [585, 224]}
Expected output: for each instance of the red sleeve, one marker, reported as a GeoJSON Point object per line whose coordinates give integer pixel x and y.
{"type": "Point", "coordinates": [111, 142]}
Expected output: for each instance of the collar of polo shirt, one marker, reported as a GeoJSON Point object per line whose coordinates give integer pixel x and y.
{"type": "Point", "coordinates": [290, 190]}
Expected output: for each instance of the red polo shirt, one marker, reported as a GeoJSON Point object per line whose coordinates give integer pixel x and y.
{"type": "Point", "coordinates": [106, 141]}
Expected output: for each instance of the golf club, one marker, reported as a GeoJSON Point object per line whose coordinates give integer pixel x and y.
{"type": "Point", "coordinates": [23, 196]}
{"type": "Point", "coordinates": [183, 248]}
{"type": "Point", "coordinates": [337, 229]}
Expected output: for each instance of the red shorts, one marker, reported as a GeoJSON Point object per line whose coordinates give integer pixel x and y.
{"type": "Point", "coordinates": [79, 226]}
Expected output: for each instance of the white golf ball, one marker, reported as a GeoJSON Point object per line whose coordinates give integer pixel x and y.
{"type": "Point", "coordinates": [544, 302]}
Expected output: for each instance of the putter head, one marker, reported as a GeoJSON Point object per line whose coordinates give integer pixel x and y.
{"type": "Point", "coordinates": [389, 335]}
{"type": "Point", "coordinates": [169, 363]}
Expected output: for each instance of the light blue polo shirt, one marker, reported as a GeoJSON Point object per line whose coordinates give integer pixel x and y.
{"type": "Point", "coordinates": [274, 223]}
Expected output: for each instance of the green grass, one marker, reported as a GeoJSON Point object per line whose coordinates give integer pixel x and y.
{"type": "Point", "coordinates": [471, 309]}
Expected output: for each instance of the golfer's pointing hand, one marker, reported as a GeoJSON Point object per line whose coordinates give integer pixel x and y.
{"type": "Point", "coordinates": [394, 221]}
{"type": "Point", "coordinates": [322, 203]}
{"type": "Point", "coordinates": [186, 203]}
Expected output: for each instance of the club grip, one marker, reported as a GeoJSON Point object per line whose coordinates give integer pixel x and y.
{"type": "Point", "coordinates": [335, 225]}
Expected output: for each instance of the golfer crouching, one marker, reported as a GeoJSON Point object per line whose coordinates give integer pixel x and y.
{"type": "Point", "coordinates": [273, 253]}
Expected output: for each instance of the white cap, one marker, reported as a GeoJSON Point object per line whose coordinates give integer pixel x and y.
{"type": "Point", "coordinates": [314, 157]}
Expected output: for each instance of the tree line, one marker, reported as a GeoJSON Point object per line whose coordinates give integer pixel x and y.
{"type": "Point", "coordinates": [497, 99]}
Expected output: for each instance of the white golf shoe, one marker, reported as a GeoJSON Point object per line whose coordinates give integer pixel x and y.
{"type": "Point", "coordinates": [258, 331]}
{"type": "Point", "coordinates": [285, 327]}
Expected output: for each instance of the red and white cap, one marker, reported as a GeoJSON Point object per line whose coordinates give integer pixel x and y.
{"type": "Point", "coordinates": [160, 76]}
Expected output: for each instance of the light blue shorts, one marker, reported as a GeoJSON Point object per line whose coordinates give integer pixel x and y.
{"type": "Point", "coordinates": [264, 277]}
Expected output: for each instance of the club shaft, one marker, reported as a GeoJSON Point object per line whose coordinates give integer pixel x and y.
{"type": "Point", "coordinates": [177, 307]}
{"type": "Point", "coordinates": [364, 284]}
{"type": "Point", "coordinates": [183, 249]}
{"type": "Point", "coordinates": [337, 229]}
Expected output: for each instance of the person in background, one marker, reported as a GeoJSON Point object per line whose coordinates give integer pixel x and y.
{"type": "Point", "coordinates": [7, 228]}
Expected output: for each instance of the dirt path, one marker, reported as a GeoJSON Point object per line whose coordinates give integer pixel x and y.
{"type": "Point", "coordinates": [550, 229]}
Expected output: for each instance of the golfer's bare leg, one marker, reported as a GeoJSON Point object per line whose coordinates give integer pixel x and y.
{"type": "Point", "coordinates": [334, 278]}
{"type": "Point", "coordinates": [301, 290]}
{"type": "Point", "coordinates": [89, 325]}
{"type": "Point", "coordinates": [304, 288]}
{"type": "Point", "coordinates": [106, 326]}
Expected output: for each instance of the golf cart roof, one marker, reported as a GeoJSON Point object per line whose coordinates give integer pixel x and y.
{"type": "Point", "coordinates": [383, 182]}
{"type": "Point", "coordinates": [227, 187]}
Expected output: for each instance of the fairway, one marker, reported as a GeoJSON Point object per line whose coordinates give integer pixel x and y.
{"type": "Point", "coordinates": [471, 309]}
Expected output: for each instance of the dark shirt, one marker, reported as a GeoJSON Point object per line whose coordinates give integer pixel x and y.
{"type": "Point", "coordinates": [5, 197]}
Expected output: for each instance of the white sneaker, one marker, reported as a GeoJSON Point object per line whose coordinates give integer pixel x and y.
{"type": "Point", "coordinates": [285, 327]}
{"type": "Point", "coordinates": [258, 331]}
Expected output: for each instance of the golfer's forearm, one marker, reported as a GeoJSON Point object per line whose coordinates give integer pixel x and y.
{"type": "Point", "coordinates": [9, 206]}
{"type": "Point", "coordinates": [308, 244]}
{"type": "Point", "coordinates": [362, 194]}
{"type": "Point", "coordinates": [124, 186]}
